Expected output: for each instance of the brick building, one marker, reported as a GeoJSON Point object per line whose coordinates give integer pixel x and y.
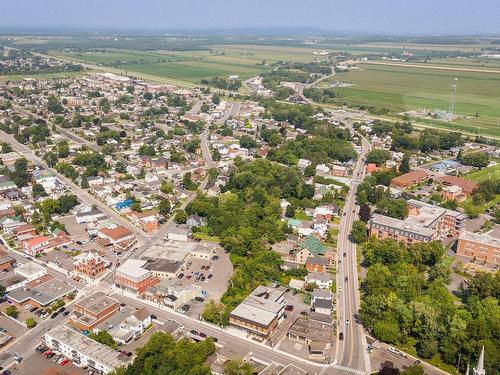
{"type": "Point", "coordinates": [89, 264]}
{"type": "Point", "coordinates": [480, 246]}
{"type": "Point", "coordinates": [93, 310]}
{"type": "Point", "coordinates": [409, 179]}
{"type": "Point", "coordinates": [132, 276]}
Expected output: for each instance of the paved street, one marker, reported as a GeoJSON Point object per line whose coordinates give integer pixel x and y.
{"type": "Point", "coordinates": [351, 351]}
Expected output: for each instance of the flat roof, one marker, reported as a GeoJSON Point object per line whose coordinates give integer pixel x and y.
{"type": "Point", "coordinates": [253, 314]}
{"type": "Point", "coordinates": [97, 302]}
{"type": "Point", "coordinates": [133, 268]}
{"type": "Point", "coordinates": [100, 353]}
{"type": "Point", "coordinates": [484, 239]}
{"type": "Point", "coordinates": [28, 269]}
{"type": "Point", "coordinates": [164, 265]}
{"type": "Point", "coordinates": [172, 250]}
{"type": "Point", "coordinates": [402, 225]}
{"type": "Point", "coordinates": [43, 293]}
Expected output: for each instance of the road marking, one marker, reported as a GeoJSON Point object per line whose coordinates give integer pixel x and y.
{"type": "Point", "coordinates": [349, 369]}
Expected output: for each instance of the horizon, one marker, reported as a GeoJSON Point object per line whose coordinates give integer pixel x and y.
{"type": "Point", "coordinates": [427, 18]}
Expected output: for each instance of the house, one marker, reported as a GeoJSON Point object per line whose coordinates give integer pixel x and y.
{"type": "Point", "coordinates": [36, 245]}
{"type": "Point", "coordinates": [259, 313]}
{"type": "Point", "coordinates": [131, 327]}
{"type": "Point", "coordinates": [6, 183]}
{"type": "Point", "coordinates": [196, 221]}
{"type": "Point", "coordinates": [146, 220]}
{"type": "Point", "coordinates": [93, 310]}
{"type": "Point", "coordinates": [322, 280]}
{"type": "Point", "coordinates": [132, 276]}
{"type": "Point", "coordinates": [88, 216]}
{"type": "Point", "coordinates": [316, 264]}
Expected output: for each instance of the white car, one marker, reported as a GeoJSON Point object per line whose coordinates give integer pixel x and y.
{"type": "Point", "coordinates": [340, 289]}
{"type": "Point", "coordinates": [393, 350]}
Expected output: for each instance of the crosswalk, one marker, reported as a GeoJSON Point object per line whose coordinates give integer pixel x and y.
{"type": "Point", "coordinates": [348, 369]}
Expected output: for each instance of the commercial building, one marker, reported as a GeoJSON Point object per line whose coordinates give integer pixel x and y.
{"type": "Point", "coordinates": [170, 294]}
{"type": "Point", "coordinates": [164, 268]}
{"type": "Point", "coordinates": [260, 313]}
{"type": "Point", "coordinates": [387, 227]}
{"type": "Point", "coordinates": [205, 251]}
{"type": "Point", "coordinates": [93, 310]}
{"type": "Point", "coordinates": [321, 279]}
{"type": "Point", "coordinates": [118, 236]}
{"type": "Point", "coordinates": [132, 276]}
{"type": "Point", "coordinates": [84, 351]}
{"type": "Point", "coordinates": [480, 246]}
{"type": "Point", "coordinates": [40, 292]}
{"type": "Point", "coordinates": [89, 264]}
{"type": "Point", "coordinates": [316, 335]}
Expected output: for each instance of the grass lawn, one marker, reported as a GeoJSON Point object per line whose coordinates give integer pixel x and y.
{"type": "Point", "coordinates": [400, 88]}
{"type": "Point", "coordinates": [17, 77]}
{"type": "Point", "coordinates": [492, 173]}
{"type": "Point", "coordinates": [206, 237]}
{"type": "Point", "coordinates": [300, 215]}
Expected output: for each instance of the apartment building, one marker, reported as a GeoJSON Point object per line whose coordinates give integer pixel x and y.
{"type": "Point", "coordinates": [480, 246]}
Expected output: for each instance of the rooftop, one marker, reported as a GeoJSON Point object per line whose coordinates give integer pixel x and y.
{"type": "Point", "coordinates": [44, 293]}
{"type": "Point", "coordinates": [401, 225]}
{"type": "Point", "coordinates": [92, 349]}
{"type": "Point", "coordinates": [97, 302]}
{"type": "Point", "coordinates": [133, 268]}
{"type": "Point", "coordinates": [484, 239]}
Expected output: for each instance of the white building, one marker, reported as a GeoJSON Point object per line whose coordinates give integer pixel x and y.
{"type": "Point", "coordinates": [84, 351]}
{"type": "Point", "coordinates": [322, 280]}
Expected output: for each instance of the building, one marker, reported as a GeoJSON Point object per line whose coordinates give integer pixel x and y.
{"type": "Point", "coordinates": [88, 216]}
{"type": "Point", "coordinates": [409, 179]}
{"type": "Point", "coordinates": [316, 264]}
{"type": "Point", "coordinates": [40, 292]}
{"type": "Point", "coordinates": [259, 313]}
{"type": "Point", "coordinates": [118, 236]}
{"type": "Point", "coordinates": [131, 327]}
{"type": "Point", "coordinates": [93, 310]}
{"type": "Point", "coordinates": [84, 351]}
{"type": "Point", "coordinates": [164, 268]}
{"type": "Point", "coordinates": [205, 252]}
{"type": "Point", "coordinates": [172, 295]}
{"type": "Point", "coordinates": [466, 186]}
{"type": "Point", "coordinates": [36, 245]}
{"type": "Point", "coordinates": [322, 280]}
{"type": "Point", "coordinates": [179, 233]}
{"type": "Point", "coordinates": [316, 335]}
{"type": "Point", "coordinates": [89, 264]}
{"type": "Point", "coordinates": [425, 222]}
{"type": "Point", "coordinates": [480, 246]}
{"type": "Point", "coordinates": [146, 220]}
{"type": "Point", "coordinates": [6, 261]}
{"type": "Point", "coordinates": [133, 277]}
{"type": "Point", "coordinates": [6, 183]}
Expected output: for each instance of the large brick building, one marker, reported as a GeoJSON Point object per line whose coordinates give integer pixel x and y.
{"type": "Point", "coordinates": [409, 179]}
{"type": "Point", "coordinates": [480, 246]}
{"type": "Point", "coordinates": [89, 264]}
{"type": "Point", "coordinates": [134, 277]}
{"type": "Point", "coordinates": [93, 310]}
{"type": "Point", "coordinates": [425, 222]}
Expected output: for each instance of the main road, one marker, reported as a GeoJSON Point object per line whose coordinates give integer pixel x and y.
{"type": "Point", "coordinates": [351, 351]}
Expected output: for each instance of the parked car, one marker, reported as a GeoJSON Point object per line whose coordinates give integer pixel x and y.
{"type": "Point", "coordinates": [66, 313]}
{"type": "Point", "coordinates": [304, 313]}
{"type": "Point", "coordinates": [193, 332]}
{"type": "Point", "coordinates": [61, 310]}
{"type": "Point", "coordinates": [33, 309]}
{"type": "Point", "coordinates": [201, 334]}
{"type": "Point", "coordinates": [289, 308]}
{"type": "Point", "coordinates": [65, 361]}
{"type": "Point", "coordinates": [199, 299]}
{"type": "Point", "coordinates": [153, 317]}
{"type": "Point", "coordinates": [341, 336]}
{"type": "Point", "coordinates": [210, 276]}
{"type": "Point", "coordinates": [180, 276]}
{"type": "Point", "coordinates": [54, 315]}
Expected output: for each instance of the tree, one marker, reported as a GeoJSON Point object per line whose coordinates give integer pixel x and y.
{"type": "Point", "coordinates": [216, 156]}
{"type": "Point", "coordinates": [187, 183]}
{"type": "Point", "coordinates": [104, 338]}
{"type": "Point", "coordinates": [414, 370]}
{"type": "Point", "coordinates": [247, 142]}
{"type": "Point", "coordinates": [359, 232]}
{"type": "Point", "coordinates": [404, 167]}
{"type": "Point", "coordinates": [365, 212]}
{"type": "Point", "coordinates": [66, 203]}
{"type": "Point", "coordinates": [6, 148]}
{"type": "Point", "coordinates": [51, 158]}
{"type": "Point", "coordinates": [54, 105]}
{"type": "Point", "coordinates": [164, 207]}
{"type": "Point", "coordinates": [30, 323]}
{"type": "Point", "coordinates": [216, 99]}
{"type": "Point", "coordinates": [63, 149]}
{"type": "Point", "coordinates": [476, 159]}
{"type": "Point", "coordinates": [290, 211]}
{"type": "Point", "coordinates": [38, 191]}
{"type": "Point", "coordinates": [84, 183]}
{"type": "Point", "coordinates": [216, 313]}
{"type": "Point", "coordinates": [378, 156]}
{"type": "Point", "coordinates": [237, 366]}
{"type": "Point", "coordinates": [12, 311]}
{"type": "Point", "coordinates": [166, 187]}
{"type": "Point", "coordinates": [180, 217]}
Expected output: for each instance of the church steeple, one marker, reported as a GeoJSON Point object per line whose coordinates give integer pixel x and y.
{"type": "Point", "coordinates": [479, 369]}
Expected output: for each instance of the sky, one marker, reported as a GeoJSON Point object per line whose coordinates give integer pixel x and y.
{"type": "Point", "coordinates": [364, 16]}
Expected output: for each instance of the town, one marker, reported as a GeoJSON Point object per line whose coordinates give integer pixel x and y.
{"type": "Point", "coordinates": [238, 226]}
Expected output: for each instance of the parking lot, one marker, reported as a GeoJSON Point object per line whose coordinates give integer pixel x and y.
{"type": "Point", "coordinates": [37, 364]}
{"type": "Point", "coordinates": [12, 328]}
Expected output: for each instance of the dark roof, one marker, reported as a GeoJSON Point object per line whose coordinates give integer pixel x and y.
{"type": "Point", "coordinates": [317, 260]}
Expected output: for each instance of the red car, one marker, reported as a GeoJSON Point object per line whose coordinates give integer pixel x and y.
{"type": "Point", "coordinates": [65, 361]}
{"type": "Point", "coordinates": [289, 308]}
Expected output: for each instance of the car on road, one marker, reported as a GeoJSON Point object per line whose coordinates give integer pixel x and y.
{"type": "Point", "coordinates": [180, 276]}
{"type": "Point", "coordinates": [340, 289]}
{"type": "Point", "coordinates": [341, 336]}
{"type": "Point", "coordinates": [215, 257]}
{"type": "Point", "coordinates": [345, 254]}
{"type": "Point", "coordinates": [393, 350]}
{"type": "Point", "coordinates": [346, 278]}
{"type": "Point", "coordinates": [347, 322]}
{"type": "Point", "coordinates": [153, 317]}
{"type": "Point", "coordinates": [54, 315]}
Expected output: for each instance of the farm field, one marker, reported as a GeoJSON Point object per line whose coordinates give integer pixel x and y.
{"type": "Point", "coordinates": [400, 88]}
{"type": "Point", "coordinates": [16, 77]}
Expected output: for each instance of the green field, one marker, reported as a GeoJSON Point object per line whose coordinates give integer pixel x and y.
{"type": "Point", "coordinates": [400, 88]}
{"type": "Point", "coordinates": [491, 173]}
{"type": "Point", "coordinates": [16, 77]}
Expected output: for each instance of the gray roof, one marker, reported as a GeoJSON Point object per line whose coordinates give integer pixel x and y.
{"type": "Point", "coordinates": [44, 294]}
